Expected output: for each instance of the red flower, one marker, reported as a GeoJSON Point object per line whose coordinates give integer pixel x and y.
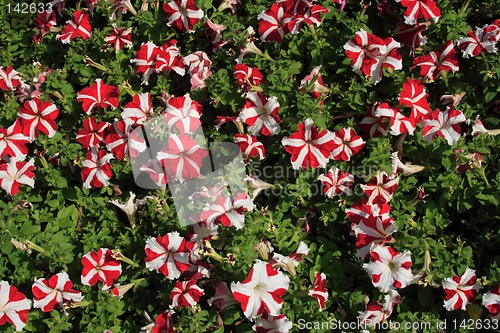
{"type": "Point", "coordinates": [491, 300]}
{"type": "Point", "coordinates": [336, 182]}
{"type": "Point", "coordinates": [93, 133]}
{"type": "Point", "coordinates": [247, 76]}
{"type": "Point", "coordinates": [273, 23]}
{"type": "Point", "coordinates": [372, 230]}
{"type": "Point", "coordinates": [145, 61]}
{"type": "Point", "coordinates": [185, 293]}
{"type": "Point", "coordinates": [14, 306]}
{"type": "Point", "coordinates": [78, 27]}
{"type": "Point", "coordinates": [460, 290]}
{"type": "Point", "coordinates": [182, 14]}
{"type": "Point", "coordinates": [445, 124]}
{"type": "Point", "coordinates": [169, 58]}
{"type": "Point", "coordinates": [213, 31]}
{"type": "Point", "coordinates": [14, 173]}
{"type": "Point", "coordinates": [309, 147]}
{"type": "Point", "coordinates": [444, 59]}
{"type": "Point", "coordinates": [54, 292]}
{"type": "Point", "coordinates": [381, 188]}
{"type": "Point", "coordinates": [399, 123]}
{"type": "Point", "coordinates": [183, 114]}
{"type": "Point", "coordinates": [98, 94]}
{"type": "Point", "coordinates": [9, 78]}
{"type": "Point", "coordinates": [373, 125]}
{"type": "Point", "coordinates": [482, 40]}
{"type": "Point", "coordinates": [37, 116]}
{"type": "Point", "coordinates": [13, 142]}
{"type": "Point", "coordinates": [96, 170]}
{"type": "Point", "coordinates": [164, 323]}
{"type": "Point", "coordinates": [416, 9]}
{"type": "Point", "coordinates": [100, 266]}
{"type": "Point", "coordinates": [250, 146]}
{"type": "Point", "coordinates": [346, 143]}
{"type": "Point", "coordinates": [119, 38]}
{"type": "Point", "coordinates": [414, 96]}
{"type": "Point", "coordinates": [122, 141]}
{"type": "Point", "coordinates": [261, 114]}
{"type": "Point", "coordinates": [319, 290]}
{"type": "Point", "coordinates": [156, 172]}
{"type": "Point", "coordinates": [139, 110]}
{"type": "Point", "coordinates": [411, 35]}
{"type": "Point", "coordinates": [44, 22]}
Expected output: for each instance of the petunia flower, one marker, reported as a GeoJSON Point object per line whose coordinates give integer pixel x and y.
{"type": "Point", "coordinates": [93, 133]}
{"type": "Point", "coordinates": [445, 59]}
{"type": "Point", "coordinates": [223, 297]}
{"type": "Point", "coordinates": [416, 9]}
{"type": "Point", "coordinates": [292, 261]}
{"type": "Point", "coordinates": [460, 290]}
{"type": "Point", "coordinates": [229, 211]}
{"type": "Point", "coordinates": [262, 291]}
{"type": "Point", "coordinates": [309, 147]}
{"type": "Point", "coordinates": [250, 146]}
{"type": "Point", "coordinates": [404, 169]}
{"type": "Point", "coordinates": [319, 290]}
{"type": "Point", "coordinates": [96, 169]}
{"type": "Point", "coordinates": [261, 114]}
{"type": "Point", "coordinates": [54, 292]}
{"type": "Point", "coordinates": [119, 38]}
{"type": "Point", "coordinates": [247, 77]}
{"type": "Point", "coordinates": [381, 188]}
{"type": "Point", "coordinates": [183, 114]}
{"type": "Point", "coordinates": [388, 268]}
{"type": "Point", "coordinates": [145, 61]}
{"type": "Point", "coordinates": [169, 58]}
{"type": "Point", "coordinates": [346, 143]}
{"type": "Point", "coordinates": [185, 293]}
{"type": "Point", "coordinates": [98, 94]}
{"type": "Point", "coordinates": [336, 182]}
{"type": "Point", "coordinates": [272, 324]}
{"type": "Point", "coordinates": [100, 266]}
{"type": "Point", "coordinates": [122, 140]}
{"type": "Point", "coordinates": [445, 124]}
{"type": "Point", "coordinates": [372, 230]}
{"type": "Point", "coordinates": [14, 306]}
{"type": "Point", "coordinates": [131, 206]}
{"type": "Point", "coordinates": [411, 35]}
{"type": "Point", "coordinates": [314, 80]}
{"type": "Point", "coordinates": [79, 26]}
{"type": "Point", "coordinates": [37, 116]}
{"type": "Point", "coordinates": [139, 110]}
{"type": "Point", "coordinates": [377, 312]}
{"type": "Point", "coordinates": [373, 125]}
{"type": "Point", "coordinates": [273, 23]}
{"type": "Point", "coordinates": [15, 173]}
{"type": "Point", "coordinates": [482, 40]}
{"type": "Point", "coordinates": [9, 78]}
{"type": "Point", "coordinates": [414, 95]}
{"type": "Point", "coordinates": [399, 123]}
{"type": "Point", "coordinates": [491, 300]}
{"type": "Point", "coordinates": [477, 128]}
{"type": "Point", "coordinates": [45, 22]}
{"type": "Point", "coordinates": [182, 14]}
{"type": "Point", "coordinates": [13, 142]}
{"type": "Point", "coordinates": [214, 32]}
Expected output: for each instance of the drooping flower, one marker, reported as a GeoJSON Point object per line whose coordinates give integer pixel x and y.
{"type": "Point", "coordinates": [261, 291]}
{"type": "Point", "coordinates": [169, 254]}
{"type": "Point", "coordinates": [261, 114]}
{"type": "Point", "coordinates": [78, 27]}
{"type": "Point", "coordinates": [182, 157]}
{"type": "Point", "coordinates": [250, 146]}
{"type": "Point", "coordinates": [145, 61]}
{"type": "Point", "coordinates": [416, 9]}
{"type": "Point", "coordinates": [119, 38]}
{"type": "Point", "coordinates": [96, 169]}
{"type": "Point", "coordinates": [319, 290]}
{"type": "Point", "coordinates": [460, 290]}
{"type": "Point", "coordinates": [272, 324]}
{"type": "Point", "coordinates": [381, 188]}
{"type": "Point", "coordinates": [314, 78]}
{"type": "Point", "coordinates": [185, 293]}
{"type": "Point", "coordinates": [14, 306]}
{"type": "Point", "coordinates": [198, 67]}
{"type": "Point", "coordinates": [491, 300]}
{"type": "Point", "coordinates": [13, 142]}
{"type": "Point", "coordinates": [377, 312]}
{"type": "Point", "coordinates": [273, 23]}
{"type": "Point", "coordinates": [182, 14]}
{"type": "Point", "coordinates": [54, 292]}
{"type": "Point", "coordinates": [37, 116]}
{"type": "Point", "coordinates": [411, 35]}
{"type": "Point", "coordinates": [336, 182]}
{"type": "Point", "coordinates": [156, 172]}
{"type": "Point", "coordinates": [414, 95]}
{"type": "Point", "coordinates": [15, 173]}
{"type": "Point", "coordinates": [247, 77]}
{"type": "Point", "coordinates": [477, 128]}
{"type": "Point", "coordinates": [292, 261]}
{"type": "Point", "coordinates": [223, 297]}
{"type": "Point", "coordinates": [346, 143]}
{"type": "Point", "coordinates": [445, 59]}
{"type": "Point", "coordinates": [404, 169]}
{"type": "Point", "coordinates": [9, 78]}
{"type": "Point", "coordinates": [131, 206]}
{"type": "Point", "coordinates": [309, 147]}
{"type": "Point", "coordinates": [44, 22]}
{"type": "Point", "coordinates": [93, 133]}
{"type": "Point", "coordinates": [163, 323]}
{"type": "Point", "coordinates": [388, 268]}
{"type": "Point", "coordinates": [183, 114]}
{"type": "Point", "coordinates": [214, 32]}
{"type": "Point", "coordinates": [100, 266]}
{"type": "Point", "coordinates": [98, 94]}
{"type": "Point", "coordinates": [445, 124]}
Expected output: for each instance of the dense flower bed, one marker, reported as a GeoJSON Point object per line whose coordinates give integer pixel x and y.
{"type": "Point", "coordinates": [368, 133]}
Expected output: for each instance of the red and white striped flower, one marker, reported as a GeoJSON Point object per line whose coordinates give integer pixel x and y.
{"type": "Point", "coordinates": [156, 172]}
{"type": "Point", "coordinates": [381, 188]}
{"type": "Point", "coordinates": [445, 124]}
{"type": "Point", "coordinates": [377, 312]}
{"type": "Point", "coordinates": [262, 291]}
{"type": "Point", "coordinates": [273, 23]}
{"type": "Point", "coordinates": [319, 290]}
{"type": "Point", "coordinates": [37, 116]}
{"type": "Point", "coordinates": [261, 114]}
{"type": "Point", "coordinates": [247, 77]}
{"type": "Point", "coordinates": [292, 261]}
{"type": "Point", "coordinates": [228, 210]}
{"type": "Point", "coordinates": [182, 157]}
{"type": "Point", "coordinates": [122, 140]}
{"type": "Point", "coordinates": [460, 290]}
{"type": "Point", "coordinates": [391, 58]}
{"type": "Point", "coordinates": [183, 114]}
{"type": "Point", "coordinates": [310, 14]}
{"type": "Point", "coordinates": [444, 59]}
{"type": "Point", "coordinates": [250, 146]}
{"type": "Point", "coordinates": [13, 142]}
{"type": "Point", "coordinates": [15, 173]}
{"type": "Point", "coordinates": [163, 323]}
{"type": "Point", "coordinates": [185, 293]}
{"type": "Point", "coordinates": [100, 266]}
{"type": "Point", "coordinates": [346, 143]}
{"type": "Point", "coordinates": [477, 128]}
{"type": "Point", "coordinates": [411, 35]}
{"type": "Point", "coordinates": [182, 14]}
{"type": "Point", "coordinates": [96, 169]}
{"type": "Point", "coordinates": [491, 300]}
{"type": "Point", "coordinates": [214, 32]}
{"type": "Point", "coordinates": [416, 9]}
{"type": "Point", "coordinates": [54, 292]}
{"type": "Point", "coordinates": [388, 268]}
{"type": "Point", "coordinates": [14, 306]}
{"type": "Point", "coordinates": [98, 94]}
{"type": "Point", "coordinates": [372, 230]}
{"type": "Point", "coordinates": [272, 324]}
{"type": "Point", "coordinates": [362, 210]}
{"type": "Point", "coordinates": [9, 78]}
{"type": "Point", "coordinates": [399, 123]}
{"type": "Point", "coordinates": [336, 182]}
{"type": "Point", "coordinates": [414, 95]}
{"type": "Point", "coordinates": [169, 254]}
{"type": "Point", "coordinates": [44, 22]}
{"type": "Point", "coordinates": [482, 40]}
{"type": "Point", "coordinates": [119, 38]}
{"type": "Point", "coordinates": [373, 125]}
{"type": "Point", "coordinates": [139, 110]}
{"type": "Point", "coordinates": [93, 133]}
{"type": "Point", "coordinates": [196, 62]}
{"type": "Point", "coordinates": [169, 58]}
{"type": "Point", "coordinates": [145, 61]}
{"type": "Point", "coordinates": [78, 27]}
{"type": "Point", "coordinates": [309, 147]}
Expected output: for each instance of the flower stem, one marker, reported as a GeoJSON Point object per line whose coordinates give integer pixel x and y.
{"type": "Point", "coordinates": [483, 175]}
{"type": "Point", "coordinates": [37, 248]}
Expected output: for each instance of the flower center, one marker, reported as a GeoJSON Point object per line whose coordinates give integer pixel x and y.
{"type": "Point", "coordinates": [392, 266]}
